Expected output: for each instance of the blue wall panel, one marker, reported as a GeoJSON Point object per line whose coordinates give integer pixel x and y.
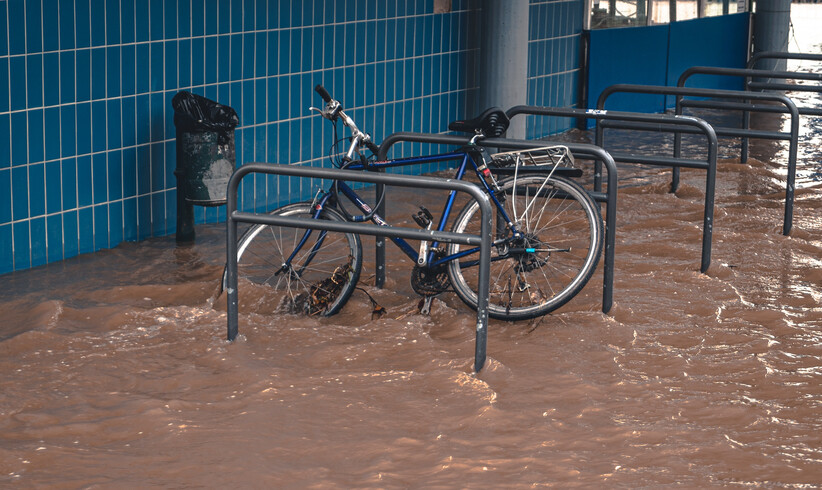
{"type": "Point", "coordinates": [636, 55]}
{"type": "Point", "coordinates": [695, 42]}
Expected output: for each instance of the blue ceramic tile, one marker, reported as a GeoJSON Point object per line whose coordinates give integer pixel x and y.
{"type": "Point", "coordinates": [51, 133]}
{"type": "Point", "coordinates": [19, 139]}
{"type": "Point", "coordinates": [170, 19]}
{"type": "Point", "coordinates": [198, 61]}
{"type": "Point", "coordinates": [168, 122]}
{"type": "Point", "coordinates": [115, 223]}
{"type": "Point", "coordinates": [129, 172]}
{"type": "Point", "coordinates": [98, 23]}
{"type": "Point", "coordinates": [127, 20]}
{"type": "Point", "coordinates": [127, 66]}
{"type": "Point", "coordinates": [34, 77]}
{"type": "Point", "coordinates": [83, 129]}
{"type": "Point", "coordinates": [112, 27]}
{"type": "Point", "coordinates": [37, 190]}
{"type": "Point", "coordinates": [6, 249]}
{"type": "Point", "coordinates": [142, 110]}
{"type": "Point", "coordinates": [17, 83]}
{"type": "Point", "coordinates": [70, 235]}
{"type": "Point", "coordinates": [143, 170]}
{"type": "Point", "coordinates": [235, 59]}
{"type": "Point", "coordinates": [67, 129]}
{"type": "Point", "coordinates": [35, 136]}
{"type": "Point", "coordinates": [98, 73]}
{"type": "Point", "coordinates": [127, 123]}
{"type": "Point", "coordinates": [261, 101]}
{"type": "Point", "coordinates": [98, 126]}
{"type": "Point", "coordinates": [184, 64]}
{"type": "Point", "coordinates": [157, 117]}
{"type": "Point", "coordinates": [54, 237]}
{"type": "Point", "coordinates": [85, 218]}
{"type": "Point", "coordinates": [20, 200]}
{"type": "Point", "coordinates": [157, 66]}
{"type": "Point", "coordinates": [51, 74]}
{"type": "Point", "coordinates": [4, 85]}
{"type": "Point", "coordinates": [101, 227]}
{"type": "Point", "coordinates": [34, 35]}
{"type": "Point", "coordinates": [22, 246]}
{"type": "Point", "coordinates": [130, 223]}
{"type": "Point", "coordinates": [83, 74]}
{"type": "Point", "coordinates": [82, 24]}
{"type": "Point", "coordinates": [144, 216]}
{"type": "Point", "coordinates": [155, 20]}
{"type": "Point", "coordinates": [50, 23]}
{"type": "Point", "coordinates": [114, 166]}
{"type": "Point", "coordinates": [158, 214]}
{"type": "Point", "coordinates": [140, 69]}
{"type": "Point", "coordinates": [184, 18]}
{"type": "Point", "coordinates": [99, 183]}
{"type": "Point", "coordinates": [68, 184]}
{"type": "Point", "coordinates": [295, 47]}
{"type": "Point", "coordinates": [5, 196]}
{"type": "Point", "coordinates": [141, 22]}
{"type": "Point", "coordinates": [67, 23]}
{"type": "Point", "coordinates": [157, 167]}
{"type": "Point", "coordinates": [170, 53]}
{"type": "Point", "coordinates": [85, 194]}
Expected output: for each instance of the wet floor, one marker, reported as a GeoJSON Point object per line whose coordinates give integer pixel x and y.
{"type": "Point", "coordinates": [115, 371]}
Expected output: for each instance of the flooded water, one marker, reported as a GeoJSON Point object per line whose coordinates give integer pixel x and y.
{"type": "Point", "coordinates": [115, 371]}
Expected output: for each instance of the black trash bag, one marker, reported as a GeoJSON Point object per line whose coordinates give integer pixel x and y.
{"type": "Point", "coordinates": [195, 113]}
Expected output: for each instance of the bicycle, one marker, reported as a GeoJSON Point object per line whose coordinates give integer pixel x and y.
{"type": "Point", "coordinates": [547, 239]}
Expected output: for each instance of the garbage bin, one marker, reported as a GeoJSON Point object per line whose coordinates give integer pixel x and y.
{"type": "Point", "coordinates": [205, 148]}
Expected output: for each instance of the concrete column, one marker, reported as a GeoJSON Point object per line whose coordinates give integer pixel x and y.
{"type": "Point", "coordinates": [504, 58]}
{"type": "Point", "coordinates": [772, 22]}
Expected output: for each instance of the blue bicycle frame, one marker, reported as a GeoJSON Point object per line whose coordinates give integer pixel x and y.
{"type": "Point", "coordinates": [403, 245]}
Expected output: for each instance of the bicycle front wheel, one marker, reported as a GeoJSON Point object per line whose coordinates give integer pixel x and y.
{"type": "Point", "coordinates": [556, 253]}
{"type": "Point", "coordinates": [312, 272]}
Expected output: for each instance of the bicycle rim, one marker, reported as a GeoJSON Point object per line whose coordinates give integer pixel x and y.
{"type": "Point", "coordinates": [323, 272]}
{"type": "Point", "coordinates": [540, 272]}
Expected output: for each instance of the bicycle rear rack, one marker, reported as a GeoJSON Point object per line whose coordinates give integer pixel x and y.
{"type": "Point", "coordinates": [650, 122]}
{"type": "Point", "coordinates": [233, 216]}
{"type": "Point", "coordinates": [578, 149]}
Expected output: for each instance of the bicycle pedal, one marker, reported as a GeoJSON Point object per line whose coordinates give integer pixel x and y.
{"type": "Point", "coordinates": [422, 220]}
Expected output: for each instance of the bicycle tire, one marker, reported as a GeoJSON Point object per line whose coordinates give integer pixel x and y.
{"type": "Point", "coordinates": [333, 270]}
{"type": "Point", "coordinates": [560, 221]}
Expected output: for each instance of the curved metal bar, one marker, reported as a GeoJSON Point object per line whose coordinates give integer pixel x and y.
{"type": "Point", "coordinates": [730, 94]}
{"type": "Point", "coordinates": [579, 149]}
{"type": "Point", "coordinates": [483, 240]}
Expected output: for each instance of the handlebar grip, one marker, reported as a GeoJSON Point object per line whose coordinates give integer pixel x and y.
{"type": "Point", "coordinates": [372, 147]}
{"type": "Point", "coordinates": [323, 93]}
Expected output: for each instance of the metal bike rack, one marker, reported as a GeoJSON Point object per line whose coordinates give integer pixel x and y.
{"type": "Point", "coordinates": [751, 84]}
{"type": "Point", "coordinates": [650, 122]}
{"type": "Point", "coordinates": [233, 216]}
{"type": "Point", "coordinates": [578, 149]}
{"type": "Point", "coordinates": [680, 92]}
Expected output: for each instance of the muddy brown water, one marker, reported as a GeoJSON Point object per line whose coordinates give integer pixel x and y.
{"type": "Point", "coordinates": [115, 371]}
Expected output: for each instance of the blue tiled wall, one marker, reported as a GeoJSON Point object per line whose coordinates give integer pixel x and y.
{"type": "Point", "coordinates": [87, 139]}
{"type": "Point", "coordinates": [554, 35]}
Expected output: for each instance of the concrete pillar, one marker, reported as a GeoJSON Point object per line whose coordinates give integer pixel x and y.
{"type": "Point", "coordinates": [504, 58]}
{"type": "Point", "coordinates": [772, 22]}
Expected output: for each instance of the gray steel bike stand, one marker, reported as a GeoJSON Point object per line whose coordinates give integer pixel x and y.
{"type": "Point", "coordinates": [233, 216]}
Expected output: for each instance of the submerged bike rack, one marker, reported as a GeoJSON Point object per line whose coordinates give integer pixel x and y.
{"type": "Point", "coordinates": [233, 216]}
{"type": "Point", "coordinates": [650, 122]}
{"type": "Point", "coordinates": [578, 149]}
{"type": "Point", "coordinates": [752, 84]}
{"type": "Point", "coordinates": [746, 104]}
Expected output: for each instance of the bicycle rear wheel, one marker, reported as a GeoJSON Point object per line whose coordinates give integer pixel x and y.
{"type": "Point", "coordinates": [322, 273]}
{"type": "Point", "coordinates": [542, 270]}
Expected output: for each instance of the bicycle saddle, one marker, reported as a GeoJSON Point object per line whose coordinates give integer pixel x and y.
{"type": "Point", "coordinates": [493, 122]}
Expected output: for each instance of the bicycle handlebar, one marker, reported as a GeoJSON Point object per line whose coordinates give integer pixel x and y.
{"type": "Point", "coordinates": [333, 110]}
{"type": "Point", "coordinates": [323, 93]}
